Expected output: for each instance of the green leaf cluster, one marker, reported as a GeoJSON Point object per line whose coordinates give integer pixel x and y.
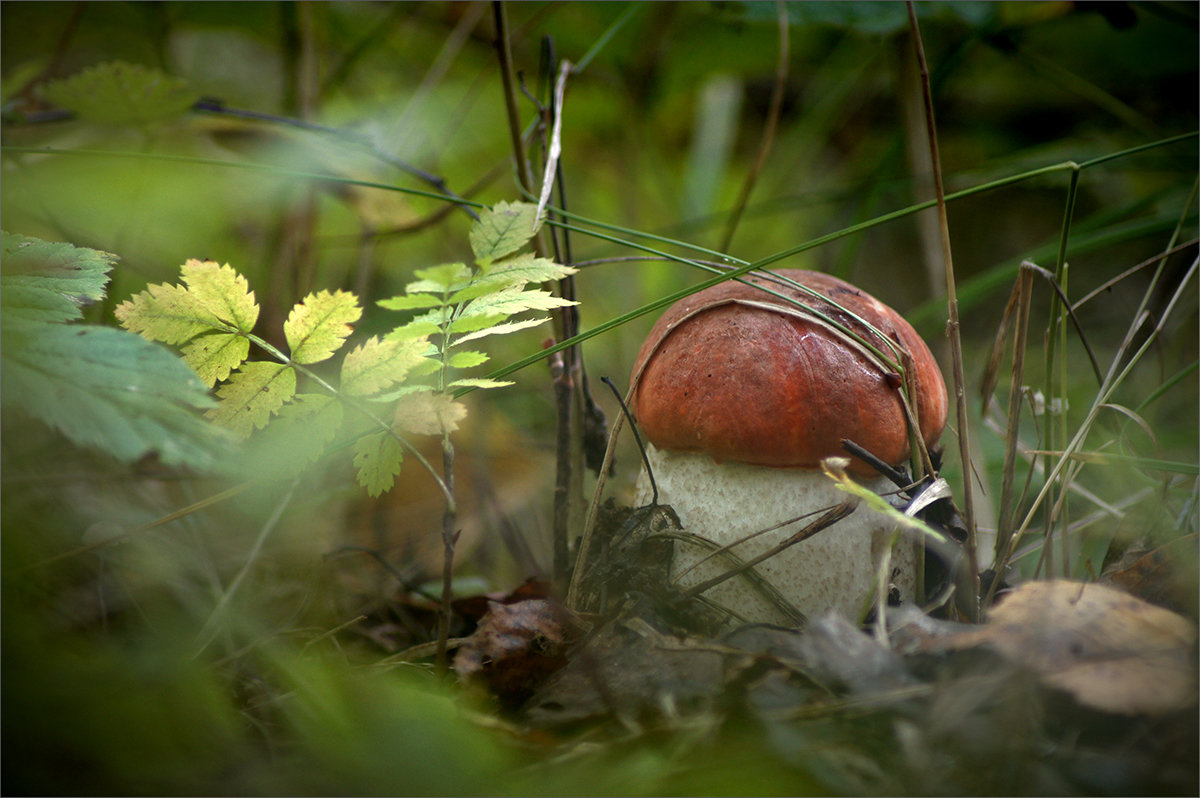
{"type": "Point", "coordinates": [99, 386]}
{"type": "Point", "coordinates": [458, 303]}
{"type": "Point", "coordinates": [210, 315]}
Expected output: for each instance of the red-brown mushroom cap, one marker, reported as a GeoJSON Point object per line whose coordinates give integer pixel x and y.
{"type": "Point", "coordinates": [741, 374]}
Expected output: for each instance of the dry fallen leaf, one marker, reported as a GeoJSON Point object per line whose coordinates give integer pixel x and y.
{"type": "Point", "coordinates": [1109, 650]}
{"type": "Point", "coordinates": [516, 647]}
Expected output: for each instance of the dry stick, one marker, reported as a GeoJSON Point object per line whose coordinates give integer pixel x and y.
{"type": "Point", "coordinates": [952, 324]}
{"type": "Point", "coordinates": [768, 139]}
{"type": "Point", "coordinates": [565, 387]}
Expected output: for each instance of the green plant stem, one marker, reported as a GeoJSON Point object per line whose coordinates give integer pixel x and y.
{"type": "Point", "coordinates": [1114, 378]}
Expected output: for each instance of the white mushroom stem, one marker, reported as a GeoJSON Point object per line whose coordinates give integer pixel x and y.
{"type": "Point", "coordinates": [836, 569]}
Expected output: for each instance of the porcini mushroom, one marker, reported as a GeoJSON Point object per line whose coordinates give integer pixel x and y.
{"type": "Point", "coordinates": [742, 389]}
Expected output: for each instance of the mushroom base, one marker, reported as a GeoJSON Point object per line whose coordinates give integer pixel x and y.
{"type": "Point", "coordinates": [836, 569]}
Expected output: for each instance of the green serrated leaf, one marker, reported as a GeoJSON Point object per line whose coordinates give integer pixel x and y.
{"type": "Point", "coordinates": [439, 279]}
{"type": "Point", "coordinates": [253, 393]}
{"type": "Point", "coordinates": [411, 302]}
{"type": "Point", "coordinates": [502, 230]}
{"type": "Point", "coordinates": [215, 355]}
{"type": "Point", "coordinates": [45, 281]}
{"type": "Point", "coordinates": [466, 360]}
{"type": "Point", "coordinates": [512, 301]}
{"type": "Point", "coordinates": [417, 328]}
{"type": "Point", "coordinates": [118, 93]}
{"type": "Point", "coordinates": [167, 313]}
{"type": "Point", "coordinates": [222, 292]}
{"type": "Point", "coordinates": [380, 364]}
{"type": "Point", "coordinates": [528, 268]}
{"type": "Point", "coordinates": [319, 325]}
{"type": "Point", "coordinates": [501, 329]}
{"type": "Point", "coordinates": [481, 382]}
{"type": "Point", "coordinates": [471, 323]}
{"type": "Point", "coordinates": [111, 390]}
{"type": "Point", "coordinates": [378, 458]}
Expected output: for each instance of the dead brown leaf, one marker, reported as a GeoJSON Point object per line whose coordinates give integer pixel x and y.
{"type": "Point", "coordinates": [1109, 650]}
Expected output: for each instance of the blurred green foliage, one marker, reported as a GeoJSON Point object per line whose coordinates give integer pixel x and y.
{"type": "Point", "coordinates": [136, 667]}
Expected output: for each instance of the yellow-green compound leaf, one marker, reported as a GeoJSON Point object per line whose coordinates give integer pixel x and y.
{"type": "Point", "coordinates": [513, 300]}
{"type": "Point", "coordinates": [502, 230]}
{"type": "Point", "coordinates": [380, 364]}
{"type": "Point", "coordinates": [221, 291]}
{"type": "Point", "coordinates": [417, 328]}
{"type": "Point", "coordinates": [117, 93]}
{"type": "Point", "coordinates": [318, 326]}
{"type": "Point", "coordinates": [481, 382]}
{"type": "Point", "coordinates": [167, 313]}
{"type": "Point", "coordinates": [500, 329]}
{"type": "Point", "coordinates": [378, 458]}
{"type": "Point", "coordinates": [466, 360]}
{"type": "Point", "coordinates": [252, 394]}
{"type": "Point", "coordinates": [215, 355]}
{"type": "Point", "coordinates": [440, 279]}
{"type": "Point", "coordinates": [411, 302]}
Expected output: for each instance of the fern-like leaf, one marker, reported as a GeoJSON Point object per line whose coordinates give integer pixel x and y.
{"type": "Point", "coordinates": [511, 301]}
{"type": "Point", "coordinates": [411, 302]}
{"type": "Point", "coordinates": [319, 325]}
{"type": "Point", "coordinates": [478, 382]}
{"type": "Point", "coordinates": [500, 329]}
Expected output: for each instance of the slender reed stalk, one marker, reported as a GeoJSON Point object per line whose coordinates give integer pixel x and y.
{"type": "Point", "coordinates": [952, 324]}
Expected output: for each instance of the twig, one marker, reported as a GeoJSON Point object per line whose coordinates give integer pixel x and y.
{"type": "Point", "coordinates": [952, 323]}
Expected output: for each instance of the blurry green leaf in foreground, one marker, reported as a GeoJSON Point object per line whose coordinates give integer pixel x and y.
{"type": "Point", "coordinates": [118, 93]}
{"type": "Point", "coordinates": [109, 389]}
{"type": "Point", "coordinates": [99, 386]}
{"type": "Point", "coordinates": [45, 281]}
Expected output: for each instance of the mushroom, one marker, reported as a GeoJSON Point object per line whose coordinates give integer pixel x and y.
{"type": "Point", "coordinates": [742, 389]}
